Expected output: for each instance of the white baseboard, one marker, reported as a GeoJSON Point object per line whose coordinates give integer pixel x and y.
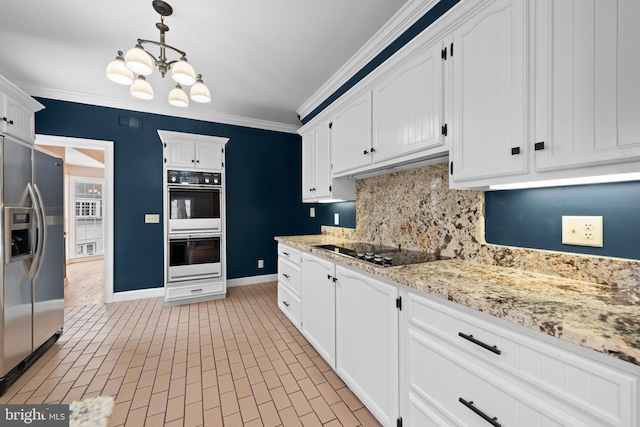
{"type": "Point", "coordinates": [251, 280]}
{"type": "Point", "coordinates": [137, 294]}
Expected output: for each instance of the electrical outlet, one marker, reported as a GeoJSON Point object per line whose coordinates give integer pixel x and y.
{"type": "Point", "coordinates": [260, 263]}
{"type": "Point", "coordinates": [582, 230]}
{"type": "Point", "coordinates": [151, 218]}
{"type": "Point", "coordinates": [336, 219]}
{"type": "Point", "coordinates": [312, 212]}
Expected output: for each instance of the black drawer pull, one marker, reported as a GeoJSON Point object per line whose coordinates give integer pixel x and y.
{"type": "Point", "coordinates": [285, 303]}
{"type": "Point", "coordinates": [285, 275]}
{"type": "Point", "coordinates": [493, 349]}
{"type": "Point", "coordinates": [469, 405]}
{"type": "Point", "coordinates": [285, 253]}
{"type": "Point", "coordinates": [538, 146]}
{"type": "Point", "coordinates": [365, 152]}
{"type": "Point", "coordinates": [515, 151]}
{"type": "Point", "coordinates": [196, 290]}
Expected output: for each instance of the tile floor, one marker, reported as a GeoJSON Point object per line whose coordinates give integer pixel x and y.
{"type": "Point", "coordinates": [232, 362]}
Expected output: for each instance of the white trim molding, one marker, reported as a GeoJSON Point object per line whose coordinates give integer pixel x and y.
{"type": "Point", "coordinates": [399, 23]}
{"type": "Point", "coordinates": [251, 280]}
{"type": "Point", "coordinates": [107, 146]}
{"type": "Point", "coordinates": [166, 110]}
{"type": "Point", "coordinates": [137, 294]}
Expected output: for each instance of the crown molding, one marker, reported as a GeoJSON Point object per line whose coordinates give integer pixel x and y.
{"type": "Point", "coordinates": [167, 110]}
{"type": "Point", "coordinates": [398, 24]}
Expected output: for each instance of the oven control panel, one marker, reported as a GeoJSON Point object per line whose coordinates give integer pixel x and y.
{"type": "Point", "coordinates": [194, 177]}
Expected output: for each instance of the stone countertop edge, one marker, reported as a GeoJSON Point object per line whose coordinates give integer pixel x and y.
{"type": "Point", "coordinates": [597, 317]}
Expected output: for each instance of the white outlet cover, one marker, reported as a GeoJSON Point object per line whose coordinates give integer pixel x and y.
{"type": "Point", "coordinates": [312, 212]}
{"type": "Point", "coordinates": [260, 263]}
{"type": "Point", "coordinates": [582, 231]}
{"type": "Point", "coordinates": [336, 219]}
{"type": "Point", "coordinates": [151, 218]}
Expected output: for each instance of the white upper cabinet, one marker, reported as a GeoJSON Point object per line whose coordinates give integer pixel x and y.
{"type": "Point", "coordinates": [17, 112]}
{"type": "Point", "coordinates": [587, 83]}
{"type": "Point", "coordinates": [351, 135]}
{"type": "Point", "coordinates": [490, 93]}
{"type": "Point", "coordinates": [317, 183]}
{"type": "Point", "coordinates": [187, 151]}
{"type": "Point", "coordinates": [408, 107]}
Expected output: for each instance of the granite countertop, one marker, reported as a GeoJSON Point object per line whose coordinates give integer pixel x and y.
{"type": "Point", "coordinates": [598, 317]}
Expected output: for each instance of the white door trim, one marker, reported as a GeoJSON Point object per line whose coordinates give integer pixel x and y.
{"type": "Point", "coordinates": [61, 141]}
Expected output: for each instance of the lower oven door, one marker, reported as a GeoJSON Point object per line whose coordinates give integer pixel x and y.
{"type": "Point", "coordinates": [193, 258]}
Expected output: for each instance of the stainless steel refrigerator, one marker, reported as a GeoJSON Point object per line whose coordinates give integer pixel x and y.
{"type": "Point", "coordinates": [32, 252]}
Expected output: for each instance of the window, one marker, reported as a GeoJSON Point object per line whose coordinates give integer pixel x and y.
{"type": "Point", "coordinates": [88, 224]}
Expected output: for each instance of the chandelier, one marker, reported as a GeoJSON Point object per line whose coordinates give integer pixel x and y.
{"type": "Point", "coordinates": [140, 61]}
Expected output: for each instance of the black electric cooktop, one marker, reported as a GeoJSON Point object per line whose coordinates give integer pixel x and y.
{"type": "Point", "coordinates": [382, 256]}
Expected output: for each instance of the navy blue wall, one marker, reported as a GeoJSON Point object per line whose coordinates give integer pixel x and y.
{"type": "Point", "coordinates": [532, 218]}
{"type": "Point", "coordinates": [263, 174]}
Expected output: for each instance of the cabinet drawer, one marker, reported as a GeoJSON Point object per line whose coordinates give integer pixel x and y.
{"type": "Point", "coordinates": [289, 304]}
{"type": "Point", "coordinates": [289, 274]}
{"type": "Point", "coordinates": [446, 388]}
{"type": "Point", "coordinates": [193, 291]}
{"type": "Point", "coordinates": [289, 253]}
{"type": "Point", "coordinates": [567, 379]}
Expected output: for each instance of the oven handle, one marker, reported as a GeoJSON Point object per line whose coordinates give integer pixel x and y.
{"type": "Point", "coordinates": [193, 187]}
{"type": "Point", "coordinates": [187, 237]}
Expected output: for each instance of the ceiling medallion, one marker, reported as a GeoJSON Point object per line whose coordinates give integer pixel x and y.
{"type": "Point", "coordinates": [140, 61]}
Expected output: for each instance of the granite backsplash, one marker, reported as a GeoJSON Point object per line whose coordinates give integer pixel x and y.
{"type": "Point", "coordinates": [417, 210]}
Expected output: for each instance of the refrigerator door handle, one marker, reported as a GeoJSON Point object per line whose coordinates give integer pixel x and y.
{"type": "Point", "coordinates": [42, 238]}
{"type": "Point", "coordinates": [39, 225]}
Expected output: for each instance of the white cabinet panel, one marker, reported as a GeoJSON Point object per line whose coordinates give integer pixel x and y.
{"type": "Point", "coordinates": [289, 304]}
{"type": "Point", "coordinates": [367, 341]}
{"type": "Point", "coordinates": [208, 156]}
{"type": "Point", "coordinates": [16, 119]}
{"type": "Point", "coordinates": [586, 87]}
{"type": "Point", "coordinates": [318, 305]}
{"type": "Point", "coordinates": [322, 150]}
{"type": "Point", "coordinates": [186, 154]}
{"type": "Point", "coordinates": [351, 135]}
{"type": "Point", "coordinates": [490, 93]}
{"type": "Point", "coordinates": [408, 107]}
{"type": "Point", "coordinates": [308, 166]}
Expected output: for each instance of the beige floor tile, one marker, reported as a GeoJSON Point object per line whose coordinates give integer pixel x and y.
{"type": "Point", "coordinates": [269, 414]}
{"type": "Point", "coordinates": [229, 403]}
{"type": "Point", "coordinates": [289, 417]}
{"type": "Point", "coordinates": [322, 409]}
{"type": "Point", "coordinates": [366, 418]}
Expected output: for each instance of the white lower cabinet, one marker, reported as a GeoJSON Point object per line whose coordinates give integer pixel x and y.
{"type": "Point", "coordinates": [367, 341]}
{"type": "Point", "coordinates": [460, 368]}
{"type": "Point", "coordinates": [318, 305]}
{"type": "Point", "coordinates": [437, 363]}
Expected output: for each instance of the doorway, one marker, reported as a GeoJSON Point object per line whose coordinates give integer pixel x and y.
{"type": "Point", "coordinates": [88, 216]}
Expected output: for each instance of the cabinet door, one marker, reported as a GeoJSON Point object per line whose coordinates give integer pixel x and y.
{"type": "Point", "coordinates": [408, 107]}
{"type": "Point", "coordinates": [308, 166]}
{"type": "Point", "coordinates": [208, 156]}
{"type": "Point", "coordinates": [318, 305]}
{"type": "Point", "coordinates": [586, 87]}
{"type": "Point", "coordinates": [367, 341]}
{"type": "Point", "coordinates": [322, 150]}
{"type": "Point", "coordinates": [17, 120]}
{"type": "Point", "coordinates": [351, 135]}
{"type": "Point", "coordinates": [181, 154]}
{"type": "Point", "coordinates": [490, 93]}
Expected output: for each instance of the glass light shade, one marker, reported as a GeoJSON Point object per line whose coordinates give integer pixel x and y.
{"type": "Point", "coordinates": [183, 73]}
{"type": "Point", "coordinates": [141, 89]}
{"type": "Point", "coordinates": [118, 72]}
{"type": "Point", "coordinates": [178, 97]}
{"type": "Point", "coordinates": [138, 61]}
{"type": "Point", "coordinates": [199, 92]}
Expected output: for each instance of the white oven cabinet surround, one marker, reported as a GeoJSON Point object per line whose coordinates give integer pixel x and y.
{"type": "Point", "coordinates": [431, 362]}
{"type": "Point", "coordinates": [317, 183]}
{"type": "Point", "coordinates": [207, 153]}
{"type": "Point", "coordinates": [192, 152]}
{"type": "Point", "coordinates": [17, 112]}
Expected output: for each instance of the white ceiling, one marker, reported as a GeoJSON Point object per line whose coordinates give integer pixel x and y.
{"type": "Point", "coordinates": [262, 60]}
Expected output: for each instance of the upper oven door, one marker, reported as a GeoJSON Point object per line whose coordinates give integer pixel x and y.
{"type": "Point", "coordinates": [194, 209]}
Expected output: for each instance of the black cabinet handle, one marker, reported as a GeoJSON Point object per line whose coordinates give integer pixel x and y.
{"type": "Point", "coordinates": [285, 253]}
{"type": "Point", "coordinates": [4, 119]}
{"type": "Point", "coordinates": [373, 149]}
{"type": "Point", "coordinates": [366, 152]}
{"type": "Point", "coordinates": [538, 146]}
{"type": "Point", "coordinates": [493, 421]}
{"type": "Point", "coordinates": [285, 275]}
{"type": "Point", "coordinates": [197, 161]}
{"type": "Point", "coordinates": [193, 161]}
{"type": "Point", "coordinates": [515, 150]}
{"type": "Point", "coordinates": [493, 349]}
{"type": "Point", "coordinates": [196, 290]}
{"type": "Point", "coordinates": [329, 276]}
{"type": "Point", "coordinates": [285, 303]}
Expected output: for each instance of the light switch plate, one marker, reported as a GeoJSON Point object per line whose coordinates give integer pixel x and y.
{"type": "Point", "coordinates": [312, 212]}
{"type": "Point", "coordinates": [151, 218]}
{"type": "Point", "coordinates": [582, 230]}
{"type": "Point", "coordinates": [336, 219]}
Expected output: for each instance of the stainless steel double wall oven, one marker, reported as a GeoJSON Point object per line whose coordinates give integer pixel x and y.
{"type": "Point", "coordinates": [194, 225]}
